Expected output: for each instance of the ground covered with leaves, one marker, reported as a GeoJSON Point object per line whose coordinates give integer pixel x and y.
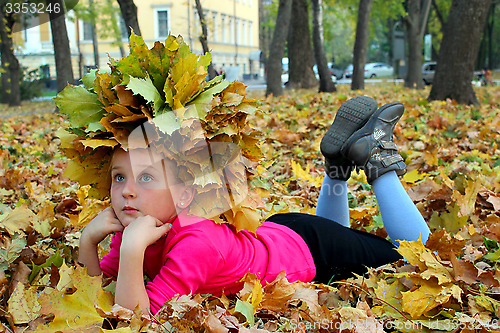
{"type": "Point", "coordinates": [452, 283]}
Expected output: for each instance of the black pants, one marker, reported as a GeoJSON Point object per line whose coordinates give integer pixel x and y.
{"type": "Point", "coordinates": [338, 251]}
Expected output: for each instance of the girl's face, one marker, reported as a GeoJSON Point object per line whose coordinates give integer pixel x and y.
{"type": "Point", "coordinates": [140, 186]}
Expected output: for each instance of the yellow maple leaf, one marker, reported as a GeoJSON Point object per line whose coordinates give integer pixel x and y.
{"type": "Point", "coordinates": [252, 290]}
{"type": "Point", "coordinates": [18, 220]}
{"type": "Point", "coordinates": [390, 292]}
{"type": "Point", "coordinates": [23, 305]}
{"type": "Point", "coordinates": [427, 262]}
{"type": "Point", "coordinates": [94, 143]}
{"type": "Point", "coordinates": [414, 176]}
{"type": "Point", "coordinates": [467, 201]}
{"type": "Point", "coordinates": [300, 173]}
{"type": "Point", "coordinates": [76, 312]}
{"type": "Point", "coordinates": [450, 220]}
{"type": "Point", "coordinates": [423, 299]}
{"type": "Point", "coordinates": [412, 251]}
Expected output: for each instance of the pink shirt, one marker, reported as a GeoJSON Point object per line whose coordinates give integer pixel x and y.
{"type": "Point", "coordinates": [200, 256]}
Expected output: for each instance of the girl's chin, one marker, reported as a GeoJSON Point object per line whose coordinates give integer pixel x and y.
{"type": "Point", "coordinates": [126, 220]}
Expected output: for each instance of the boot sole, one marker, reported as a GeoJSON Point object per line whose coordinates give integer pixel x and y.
{"type": "Point", "coordinates": [350, 117]}
{"type": "Point", "coordinates": [368, 127]}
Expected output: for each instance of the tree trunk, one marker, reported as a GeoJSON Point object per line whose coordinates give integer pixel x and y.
{"type": "Point", "coordinates": [277, 49]}
{"type": "Point", "coordinates": [203, 38]}
{"type": "Point", "coordinates": [361, 45]}
{"type": "Point", "coordinates": [11, 92]}
{"type": "Point", "coordinates": [300, 55]}
{"type": "Point", "coordinates": [129, 13]}
{"type": "Point", "coordinates": [325, 78]}
{"type": "Point", "coordinates": [458, 51]}
{"type": "Point", "coordinates": [62, 52]}
{"type": "Point", "coordinates": [416, 21]}
{"type": "Point", "coordinates": [265, 33]}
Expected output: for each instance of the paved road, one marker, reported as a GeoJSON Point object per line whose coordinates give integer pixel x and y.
{"type": "Point", "coordinates": [260, 84]}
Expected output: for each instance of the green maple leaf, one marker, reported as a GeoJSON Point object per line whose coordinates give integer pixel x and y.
{"type": "Point", "coordinates": [134, 64]}
{"type": "Point", "coordinates": [81, 106]}
{"type": "Point", "coordinates": [167, 123]}
{"type": "Point", "coordinates": [146, 89]}
{"type": "Point", "coordinates": [88, 79]}
{"type": "Point", "coordinates": [11, 252]}
{"type": "Point", "coordinates": [159, 64]}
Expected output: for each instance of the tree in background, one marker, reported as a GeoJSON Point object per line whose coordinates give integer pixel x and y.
{"type": "Point", "coordinates": [300, 55]}
{"type": "Point", "coordinates": [62, 52]}
{"type": "Point", "coordinates": [103, 17]}
{"type": "Point", "coordinates": [360, 45]}
{"type": "Point", "coordinates": [436, 22]}
{"type": "Point", "coordinates": [267, 16]}
{"type": "Point", "coordinates": [11, 92]}
{"type": "Point", "coordinates": [490, 43]}
{"type": "Point", "coordinates": [203, 38]}
{"type": "Point", "coordinates": [95, 43]}
{"type": "Point", "coordinates": [339, 33]}
{"type": "Point", "coordinates": [277, 49]}
{"type": "Point", "coordinates": [415, 22]}
{"type": "Point", "coordinates": [459, 50]}
{"type": "Point", "coordinates": [112, 27]}
{"type": "Point", "coordinates": [325, 78]}
{"type": "Point", "coordinates": [129, 13]}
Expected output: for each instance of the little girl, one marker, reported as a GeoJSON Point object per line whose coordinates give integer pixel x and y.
{"type": "Point", "coordinates": [184, 254]}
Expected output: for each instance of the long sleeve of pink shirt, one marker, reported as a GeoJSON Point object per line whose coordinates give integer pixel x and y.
{"type": "Point", "coordinates": [204, 257]}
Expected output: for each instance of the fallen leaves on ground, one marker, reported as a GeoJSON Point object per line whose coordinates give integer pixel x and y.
{"type": "Point", "coordinates": [452, 283]}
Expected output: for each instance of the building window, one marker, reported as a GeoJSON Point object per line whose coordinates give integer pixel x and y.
{"type": "Point", "coordinates": [223, 28]}
{"type": "Point", "coordinates": [162, 23]}
{"type": "Point", "coordinates": [238, 32]}
{"type": "Point", "coordinates": [215, 28]}
{"type": "Point", "coordinates": [244, 32]}
{"type": "Point", "coordinates": [231, 30]}
{"type": "Point", "coordinates": [250, 33]}
{"type": "Point", "coordinates": [87, 31]}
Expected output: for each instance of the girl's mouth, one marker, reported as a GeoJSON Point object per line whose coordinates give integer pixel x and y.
{"type": "Point", "coordinates": [130, 210]}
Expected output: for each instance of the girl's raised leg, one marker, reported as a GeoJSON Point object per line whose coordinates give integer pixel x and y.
{"type": "Point", "coordinates": [402, 219]}
{"type": "Point", "coordinates": [350, 117]}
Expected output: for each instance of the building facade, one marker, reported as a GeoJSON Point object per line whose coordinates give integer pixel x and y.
{"type": "Point", "coordinates": [233, 34]}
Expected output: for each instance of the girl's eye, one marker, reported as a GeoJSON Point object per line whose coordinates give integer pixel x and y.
{"type": "Point", "coordinates": [146, 178]}
{"type": "Point", "coordinates": [119, 178]}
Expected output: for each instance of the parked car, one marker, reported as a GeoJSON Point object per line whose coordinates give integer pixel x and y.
{"type": "Point", "coordinates": [428, 71]}
{"type": "Point", "coordinates": [348, 71]}
{"type": "Point", "coordinates": [378, 69]}
{"type": "Point", "coordinates": [284, 73]}
{"type": "Point", "coordinates": [335, 72]}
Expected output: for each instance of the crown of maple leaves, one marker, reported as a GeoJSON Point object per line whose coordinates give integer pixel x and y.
{"type": "Point", "coordinates": [164, 91]}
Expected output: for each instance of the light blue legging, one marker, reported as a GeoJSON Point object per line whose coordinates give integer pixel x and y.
{"type": "Point", "coordinates": [401, 218]}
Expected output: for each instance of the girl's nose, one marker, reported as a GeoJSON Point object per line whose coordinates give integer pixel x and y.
{"type": "Point", "coordinates": [129, 190]}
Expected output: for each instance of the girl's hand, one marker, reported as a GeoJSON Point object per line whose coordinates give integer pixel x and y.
{"type": "Point", "coordinates": [142, 232]}
{"type": "Point", "coordinates": [102, 225]}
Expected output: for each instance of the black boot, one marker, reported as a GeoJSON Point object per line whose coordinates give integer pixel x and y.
{"type": "Point", "coordinates": [372, 149]}
{"type": "Point", "coordinates": [350, 117]}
